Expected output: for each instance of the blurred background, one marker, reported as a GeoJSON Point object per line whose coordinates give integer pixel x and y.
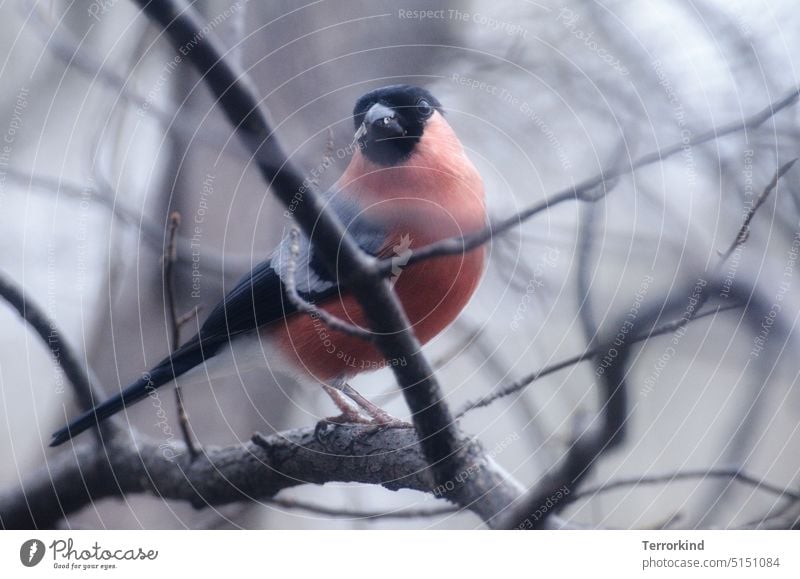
{"type": "Point", "coordinates": [106, 130]}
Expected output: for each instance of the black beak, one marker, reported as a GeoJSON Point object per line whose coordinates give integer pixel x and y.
{"type": "Point", "coordinates": [381, 123]}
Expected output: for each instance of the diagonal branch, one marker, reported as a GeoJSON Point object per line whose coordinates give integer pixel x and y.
{"type": "Point", "coordinates": [744, 230]}
{"type": "Point", "coordinates": [588, 354]}
{"type": "Point", "coordinates": [660, 479]}
{"type": "Point", "coordinates": [592, 189]}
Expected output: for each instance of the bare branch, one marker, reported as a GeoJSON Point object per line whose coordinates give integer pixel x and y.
{"type": "Point", "coordinates": [251, 471]}
{"type": "Point", "coordinates": [590, 353]}
{"type": "Point", "coordinates": [744, 231]}
{"type": "Point", "coordinates": [591, 189]}
{"type": "Point", "coordinates": [175, 322]}
{"type": "Point", "coordinates": [667, 478]}
{"type": "Point", "coordinates": [168, 262]}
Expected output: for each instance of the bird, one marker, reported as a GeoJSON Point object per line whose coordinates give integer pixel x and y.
{"type": "Point", "coordinates": [409, 183]}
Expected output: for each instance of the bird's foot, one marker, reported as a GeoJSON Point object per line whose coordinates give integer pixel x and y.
{"type": "Point", "coordinates": [382, 419]}
{"type": "Point", "coordinates": [376, 417]}
{"type": "Point", "coordinates": [373, 426]}
{"type": "Point", "coordinates": [348, 414]}
{"type": "Point", "coordinates": [348, 417]}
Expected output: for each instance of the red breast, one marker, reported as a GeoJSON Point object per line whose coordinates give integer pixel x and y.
{"type": "Point", "coordinates": [436, 193]}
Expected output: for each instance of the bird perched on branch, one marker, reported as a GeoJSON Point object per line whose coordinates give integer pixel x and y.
{"type": "Point", "coordinates": [409, 183]}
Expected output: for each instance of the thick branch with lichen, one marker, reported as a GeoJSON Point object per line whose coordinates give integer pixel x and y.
{"type": "Point", "coordinates": [258, 469]}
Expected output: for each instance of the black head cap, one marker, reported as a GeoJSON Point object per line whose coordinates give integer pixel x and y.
{"type": "Point", "coordinates": [389, 121]}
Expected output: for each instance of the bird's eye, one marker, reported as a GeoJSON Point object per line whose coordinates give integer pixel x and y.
{"type": "Point", "coordinates": [425, 109]}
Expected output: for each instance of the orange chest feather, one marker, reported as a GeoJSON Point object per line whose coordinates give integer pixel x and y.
{"type": "Point", "coordinates": [437, 193]}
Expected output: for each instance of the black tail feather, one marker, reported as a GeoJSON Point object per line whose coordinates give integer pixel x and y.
{"type": "Point", "coordinates": [184, 359]}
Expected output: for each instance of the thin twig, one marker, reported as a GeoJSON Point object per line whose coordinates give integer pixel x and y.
{"type": "Point", "coordinates": [727, 473]}
{"type": "Point", "coordinates": [168, 262]}
{"type": "Point", "coordinates": [590, 190]}
{"type": "Point", "coordinates": [175, 324]}
{"type": "Point", "coordinates": [588, 354]}
{"type": "Point", "coordinates": [741, 237]}
{"type": "Point", "coordinates": [290, 285]}
{"type": "Point", "coordinates": [744, 231]}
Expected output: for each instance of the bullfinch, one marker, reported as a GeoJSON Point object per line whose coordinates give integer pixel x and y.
{"type": "Point", "coordinates": [409, 183]}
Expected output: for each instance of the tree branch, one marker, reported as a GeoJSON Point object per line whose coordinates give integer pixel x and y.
{"type": "Point", "coordinates": [251, 471]}
{"type": "Point", "coordinates": [588, 354]}
{"type": "Point", "coordinates": [174, 322]}
{"type": "Point", "coordinates": [590, 190]}
{"type": "Point", "coordinates": [744, 230]}
{"type": "Point", "coordinates": [660, 479]}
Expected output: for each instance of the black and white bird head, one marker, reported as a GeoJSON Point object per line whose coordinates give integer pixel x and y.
{"type": "Point", "coordinates": [390, 121]}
